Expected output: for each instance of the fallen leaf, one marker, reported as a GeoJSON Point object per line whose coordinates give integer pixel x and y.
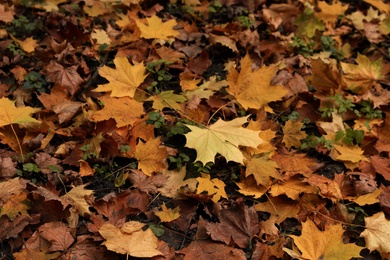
{"type": "Point", "coordinates": [150, 156]}
{"type": "Point", "coordinates": [328, 244]}
{"type": "Point", "coordinates": [58, 234]}
{"type": "Point", "coordinates": [205, 250]}
{"type": "Point", "coordinates": [130, 239]}
{"type": "Point", "coordinates": [124, 79]}
{"type": "Point", "coordinates": [114, 107]}
{"type": "Point", "coordinates": [214, 187]}
{"type": "Point", "coordinates": [76, 197]}
{"type": "Point", "coordinates": [10, 114]}
{"type": "Point", "coordinates": [377, 233]}
{"type": "Point", "coordinates": [253, 89]}
{"type": "Point", "coordinates": [175, 180]}
{"type": "Point", "coordinates": [16, 205]}
{"type": "Point", "coordinates": [360, 77]}
{"type": "Point", "coordinates": [166, 214]}
{"type": "Point", "coordinates": [238, 225]}
{"type": "Point", "coordinates": [263, 169]}
{"type": "Point", "coordinates": [167, 99]}
{"type": "Point", "coordinates": [67, 77]}
{"type": "Point", "coordinates": [222, 137]}
{"type": "Point", "coordinates": [157, 29]}
{"type": "Point", "coordinates": [293, 134]}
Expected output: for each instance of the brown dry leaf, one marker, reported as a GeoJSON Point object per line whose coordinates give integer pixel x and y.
{"type": "Point", "coordinates": [325, 77]}
{"type": "Point", "coordinates": [151, 156]}
{"type": "Point", "coordinates": [168, 215]}
{"type": "Point", "coordinates": [381, 166]}
{"type": "Point", "coordinates": [58, 234]}
{"type": "Point", "coordinates": [188, 81]}
{"type": "Point", "coordinates": [296, 163]}
{"type": "Point", "coordinates": [10, 114]}
{"type": "Point", "coordinates": [114, 107]}
{"type": "Point", "coordinates": [148, 184]}
{"type": "Point", "coordinates": [263, 169]}
{"type": "Point", "coordinates": [377, 233]}
{"type": "Point", "coordinates": [293, 134]}
{"type": "Point", "coordinates": [124, 79]}
{"type": "Point", "coordinates": [253, 89]}
{"type": "Point", "coordinates": [7, 169]}
{"type": "Point", "coordinates": [328, 244]}
{"type": "Point", "coordinates": [86, 169]}
{"type": "Point", "coordinates": [238, 225]}
{"type": "Point", "coordinates": [329, 188]}
{"type": "Point", "coordinates": [76, 197]}
{"type": "Point", "coordinates": [66, 77]}
{"type": "Point", "coordinates": [157, 29]}
{"type": "Point", "coordinates": [206, 250]}
{"type": "Point", "coordinates": [214, 187]}
{"type": "Point", "coordinates": [130, 239]}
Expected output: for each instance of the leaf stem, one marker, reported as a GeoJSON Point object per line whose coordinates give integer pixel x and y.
{"type": "Point", "coordinates": [18, 141]}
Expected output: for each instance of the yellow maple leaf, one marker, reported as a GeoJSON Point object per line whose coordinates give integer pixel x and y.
{"type": "Point", "coordinates": [292, 188]}
{"type": "Point", "coordinates": [10, 114]}
{"type": "Point", "coordinates": [76, 197]}
{"type": "Point", "coordinates": [263, 169]}
{"type": "Point", "coordinates": [168, 215]}
{"type": "Point", "coordinates": [293, 134]}
{"type": "Point", "coordinates": [115, 107]}
{"type": "Point", "coordinates": [124, 79]}
{"type": "Point", "coordinates": [369, 198]}
{"type": "Point", "coordinates": [361, 77]}
{"type": "Point", "coordinates": [150, 156]}
{"type": "Point", "coordinates": [214, 187]}
{"type": "Point", "coordinates": [330, 13]}
{"type": "Point", "coordinates": [352, 154]}
{"type": "Point", "coordinates": [377, 233]}
{"type": "Point", "coordinates": [249, 187]}
{"type": "Point", "coordinates": [130, 239]}
{"type": "Point", "coordinates": [328, 244]}
{"type": "Point", "coordinates": [253, 89]}
{"type": "Point", "coordinates": [222, 137]}
{"type": "Point", "coordinates": [157, 29]}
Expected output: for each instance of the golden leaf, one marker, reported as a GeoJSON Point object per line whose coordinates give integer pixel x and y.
{"type": "Point", "coordinates": [124, 79]}
{"type": "Point", "coordinates": [150, 156]}
{"type": "Point", "coordinates": [10, 114]}
{"type": "Point", "coordinates": [157, 29]}
{"type": "Point", "coordinates": [214, 187]}
{"type": "Point", "coordinates": [253, 89]}
{"type": "Point", "coordinates": [168, 215]}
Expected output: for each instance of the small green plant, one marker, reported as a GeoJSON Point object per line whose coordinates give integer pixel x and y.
{"type": "Point", "coordinates": [16, 49]}
{"type": "Point", "coordinates": [312, 141]}
{"type": "Point", "coordinates": [31, 167]}
{"type": "Point", "coordinates": [368, 111]}
{"type": "Point", "coordinates": [179, 160]}
{"type": "Point", "coordinates": [21, 25]}
{"type": "Point", "coordinates": [327, 44]}
{"type": "Point", "coordinates": [216, 7]}
{"type": "Point", "coordinates": [302, 47]}
{"type": "Point", "coordinates": [203, 168]}
{"type": "Point", "coordinates": [350, 136]}
{"type": "Point", "coordinates": [245, 21]}
{"type": "Point", "coordinates": [87, 152]}
{"type": "Point", "coordinates": [34, 80]}
{"type": "Point", "coordinates": [156, 119]}
{"type": "Point", "coordinates": [160, 74]}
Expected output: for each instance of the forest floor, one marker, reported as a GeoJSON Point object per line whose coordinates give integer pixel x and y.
{"type": "Point", "coordinates": [194, 129]}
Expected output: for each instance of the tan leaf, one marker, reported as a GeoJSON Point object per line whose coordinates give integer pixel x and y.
{"type": "Point", "coordinates": [377, 233]}
{"type": "Point", "coordinates": [263, 169]}
{"type": "Point", "coordinates": [76, 197]}
{"type": "Point", "coordinates": [293, 134]}
{"type": "Point", "coordinates": [214, 187]}
{"type": "Point", "coordinates": [130, 239]}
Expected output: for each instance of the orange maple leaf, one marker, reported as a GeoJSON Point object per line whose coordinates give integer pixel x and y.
{"type": "Point", "coordinates": [263, 169]}
{"type": "Point", "coordinates": [253, 89]}
{"type": "Point", "coordinates": [150, 156]}
{"type": "Point", "coordinates": [124, 79]}
{"type": "Point", "coordinates": [115, 107]}
{"type": "Point", "coordinates": [214, 187]}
